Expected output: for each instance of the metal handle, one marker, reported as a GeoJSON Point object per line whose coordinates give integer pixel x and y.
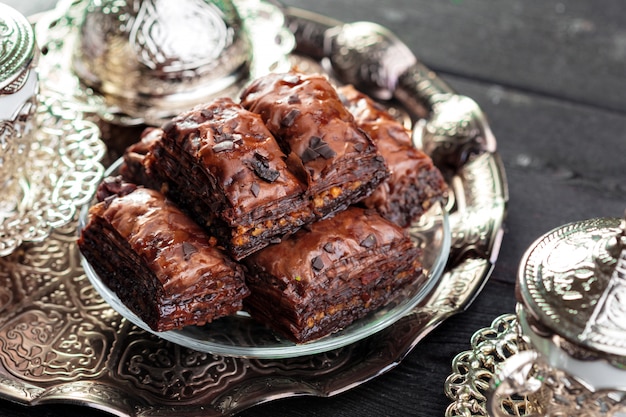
{"type": "Point", "coordinates": [517, 376]}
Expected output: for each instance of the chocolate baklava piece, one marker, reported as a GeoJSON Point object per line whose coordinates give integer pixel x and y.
{"type": "Point", "coordinates": [338, 161]}
{"type": "Point", "coordinates": [415, 183]}
{"type": "Point", "coordinates": [133, 168]}
{"type": "Point", "coordinates": [161, 264]}
{"type": "Point", "coordinates": [330, 273]}
{"type": "Point", "coordinates": [222, 165]}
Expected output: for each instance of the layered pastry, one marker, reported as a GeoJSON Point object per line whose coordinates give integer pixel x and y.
{"type": "Point", "coordinates": [133, 168]}
{"type": "Point", "coordinates": [415, 183]}
{"type": "Point", "coordinates": [222, 165]}
{"type": "Point", "coordinates": [338, 161]}
{"type": "Point", "coordinates": [160, 263]}
{"type": "Point", "coordinates": [329, 274]}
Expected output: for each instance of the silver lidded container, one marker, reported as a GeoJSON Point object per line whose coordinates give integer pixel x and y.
{"type": "Point", "coordinates": [18, 102]}
{"type": "Point", "coordinates": [571, 314]}
{"type": "Point", "coordinates": [152, 59]}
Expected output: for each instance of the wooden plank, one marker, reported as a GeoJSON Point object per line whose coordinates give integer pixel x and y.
{"type": "Point", "coordinates": [575, 49]}
{"type": "Point", "coordinates": [565, 162]}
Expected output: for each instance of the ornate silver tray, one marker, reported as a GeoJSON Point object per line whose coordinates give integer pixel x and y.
{"type": "Point", "coordinates": [60, 342]}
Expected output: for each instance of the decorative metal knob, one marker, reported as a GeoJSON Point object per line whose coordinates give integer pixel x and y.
{"type": "Point", "coordinates": [18, 89]}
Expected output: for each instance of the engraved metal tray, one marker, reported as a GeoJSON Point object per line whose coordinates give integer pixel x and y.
{"type": "Point", "coordinates": [61, 343]}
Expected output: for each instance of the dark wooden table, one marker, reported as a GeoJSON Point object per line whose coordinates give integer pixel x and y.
{"type": "Point", "coordinates": [551, 76]}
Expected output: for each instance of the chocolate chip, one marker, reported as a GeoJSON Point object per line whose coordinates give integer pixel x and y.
{"type": "Point", "coordinates": [255, 188]}
{"type": "Point", "coordinates": [290, 118]}
{"type": "Point", "coordinates": [293, 99]}
{"type": "Point", "coordinates": [326, 151]}
{"type": "Point", "coordinates": [369, 241]}
{"type": "Point", "coordinates": [261, 167]}
{"type": "Point", "coordinates": [317, 263]}
{"type": "Point", "coordinates": [223, 146]}
{"type": "Point", "coordinates": [317, 147]}
{"type": "Point", "coordinates": [206, 113]}
{"type": "Point", "coordinates": [358, 147]}
{"type": "Point", "coordinates": [308, 155]}
{"type": "Point", "coordinates": [328, 247]}
{"type": "Point", "coordinates": [188, 250]}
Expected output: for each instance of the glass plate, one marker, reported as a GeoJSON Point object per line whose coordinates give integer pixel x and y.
{"type": "Point", "coordinates": [241, 336]}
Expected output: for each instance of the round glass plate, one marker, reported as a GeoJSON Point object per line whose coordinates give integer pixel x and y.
{"type": "Point", "coordinates": [241, 336]}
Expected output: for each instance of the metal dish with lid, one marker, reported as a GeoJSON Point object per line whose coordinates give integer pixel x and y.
{"type": "Point", "coordinates": [18, 101]}
{"type": "Point", "coordinates": [148, 60]}
{"type": "Point", "coordinates": [572, 314]}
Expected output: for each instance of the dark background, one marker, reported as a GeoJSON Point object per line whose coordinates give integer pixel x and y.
{"type": "Point", "coordinates": [551, 76]}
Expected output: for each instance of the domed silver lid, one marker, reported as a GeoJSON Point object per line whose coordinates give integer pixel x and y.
{"type": "Point", "coordinates": [17, 50]}
{"type": "Point", "coordinates": [572, 282]}
{"type": "Point", "coordinates": [154, 58]}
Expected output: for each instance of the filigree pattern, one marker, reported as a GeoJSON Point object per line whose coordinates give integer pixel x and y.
{"type": "Point", "coordinates": [63, 172]}
{"type": "Point", "coordinates": [536, 390]}
{"type": "Point", "coordinates": [473, 369]}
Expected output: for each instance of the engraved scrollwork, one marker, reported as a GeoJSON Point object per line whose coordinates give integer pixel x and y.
{"type": "Point", "coordinates": [45, 344]}
{"type": "Point", "coordinates": [10, 293]}
{"type": "Point", "coordinates": [459, 285]}
{"type": "Point", "coordinates": [19, 389]}
{"type": "Point", "coordinates": [171, 373]}
{"type": "Point", "coordinates": [158, 45]}
{"type": "Point", "coordinates": [607, 325]}
{"type": "Point", "coordinates": [108, 397]}
{"type": "Point", "coordinates": [16, 50]}
{"type": "Point", "coordinates": [559, 279]}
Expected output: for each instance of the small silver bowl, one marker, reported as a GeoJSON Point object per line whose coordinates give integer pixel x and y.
{"type": "Point", "coordinates": [151, 59]}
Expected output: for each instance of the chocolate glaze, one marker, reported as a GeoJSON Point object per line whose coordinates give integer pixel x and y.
{"type": "Point", "coordinates": [313, 127]}
{"type": "Point", "coordinates": [161, 264]}
{"type": "Point", "coordinates": [234, 148]}
{"type": "Point", "coordinates": [329, 274]}
{"type": "Point", "coordinates": [221, 164]}
{"type": "Point", "coordinates": [415, 183]}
